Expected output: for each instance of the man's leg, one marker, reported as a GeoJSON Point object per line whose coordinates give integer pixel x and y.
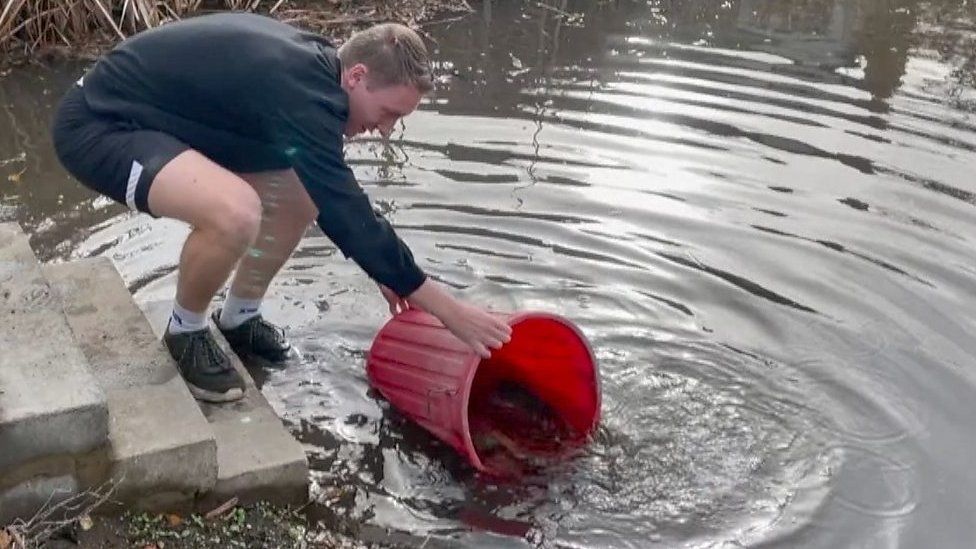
{"type": "Point", "coordinates": [225, 215]}
{"type": "Point", "coordinates": [156, 173]}
{"type": "Point", "coordinates": [287, 212]}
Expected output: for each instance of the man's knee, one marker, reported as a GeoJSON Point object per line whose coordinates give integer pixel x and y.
{"type": "Point", "coordinates": [237, 219]}
{"type": "Point", "coordinates": [194, 189]}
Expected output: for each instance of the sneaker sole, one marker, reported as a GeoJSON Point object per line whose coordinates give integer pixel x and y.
{"type": "Point", "coordinates": [267, 363]}
{"type": "Point", "coordinates": [215, 397]}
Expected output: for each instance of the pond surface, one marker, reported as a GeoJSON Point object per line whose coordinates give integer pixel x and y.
{"type": "Point", "coordinates": [760, 213]}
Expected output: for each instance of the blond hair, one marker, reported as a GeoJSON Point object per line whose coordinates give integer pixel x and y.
{"type": "Point", "coordinates": [394, 54]}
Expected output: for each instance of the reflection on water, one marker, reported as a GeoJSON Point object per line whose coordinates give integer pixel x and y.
{"type": "Point", "coordinates": [758, 211]}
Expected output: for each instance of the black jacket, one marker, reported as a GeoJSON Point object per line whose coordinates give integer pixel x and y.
{"type": "Point", "coordinates": [251, 93]}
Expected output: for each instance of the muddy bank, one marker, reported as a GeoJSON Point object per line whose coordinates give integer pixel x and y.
{"type": "Point", "coordinates": [256, 525]}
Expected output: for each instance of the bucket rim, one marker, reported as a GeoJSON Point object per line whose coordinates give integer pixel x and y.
{"type": "Point", "coordinates": [512, 319]}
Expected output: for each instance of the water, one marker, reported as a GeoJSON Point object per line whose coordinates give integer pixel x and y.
{"type": "Point", "coordinates": [760, 214]}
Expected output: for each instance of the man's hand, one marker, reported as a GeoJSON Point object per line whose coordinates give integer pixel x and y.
{"type": "Point", "coordinates": [476, 327]}
{"type": "Point", "coordinates": [397, 304]}
{"type": "Point", "coordinates": [472, 325]}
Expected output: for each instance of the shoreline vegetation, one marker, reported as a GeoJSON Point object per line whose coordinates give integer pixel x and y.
{"type": "Point", "coordinates": [37, 30]}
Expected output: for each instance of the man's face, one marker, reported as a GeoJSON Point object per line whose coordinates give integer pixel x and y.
{"type": "Point", "coordinates": [374, 108]}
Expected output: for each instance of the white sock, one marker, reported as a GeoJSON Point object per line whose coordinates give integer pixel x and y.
{"type": "Point", "coordinates": [182, 320]}
{"type": "Point", "coordinates": [238, 310]}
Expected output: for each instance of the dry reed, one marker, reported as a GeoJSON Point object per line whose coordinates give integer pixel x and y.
{"type": "Point", "coordinates": [32, 27]}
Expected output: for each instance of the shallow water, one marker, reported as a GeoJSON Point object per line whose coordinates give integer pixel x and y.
{"type": "Point", "coordinates": [759, 213]}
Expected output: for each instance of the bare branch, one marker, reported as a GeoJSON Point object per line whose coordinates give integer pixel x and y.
{"type": "Point", "coordinates": [51, 519]}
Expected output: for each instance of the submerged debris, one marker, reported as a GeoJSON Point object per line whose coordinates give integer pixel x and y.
{"type": "Point", "coordinates": [515, 433]}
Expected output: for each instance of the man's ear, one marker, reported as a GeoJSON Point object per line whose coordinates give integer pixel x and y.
{"type": "Point", "coordinates": [357, 75]}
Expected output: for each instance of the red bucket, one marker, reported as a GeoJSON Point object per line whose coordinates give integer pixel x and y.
{"type": "Point", "coordinates": [439, 382]}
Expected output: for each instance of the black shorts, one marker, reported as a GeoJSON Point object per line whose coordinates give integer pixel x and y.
{"type": "Point", "coordinates": [111, 156]}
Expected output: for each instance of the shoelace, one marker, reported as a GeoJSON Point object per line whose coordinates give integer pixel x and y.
{"type": "Point", "coordinates": [216, 363]}
{"type": "Point", "coordinates": [277, 334]}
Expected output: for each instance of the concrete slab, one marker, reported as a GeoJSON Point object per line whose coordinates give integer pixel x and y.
{"type": "Point", "coordinates": [25, 499]}
{"type": "Point", "coordinates": [161, 456]}
{"type": "Point", "coordinates": [163, 452]}
{"type": "Point", "coordinates": [22, 286]}
{"type": "Point", "coordinates": [256, 456]}
{"type": "Point", "coordinates": [50, 404]}
{"type": "Point", "coordinates": [157, 313]}
{"type": "Point", "coordinates": [111, 330]}
{"type": "Point", "coordinates": [258, 460]}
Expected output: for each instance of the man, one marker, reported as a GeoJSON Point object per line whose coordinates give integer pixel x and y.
{"type": "Point", "coordinates": [234, 123]}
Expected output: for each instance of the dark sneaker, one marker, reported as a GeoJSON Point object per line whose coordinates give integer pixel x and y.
{"type": "Point", "coordinates": [257, 337]}
{"type": "Point", "coordinates": [207, 371]}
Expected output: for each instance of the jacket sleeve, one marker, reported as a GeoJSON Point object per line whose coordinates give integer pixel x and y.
{"type": "Point", "coordinates": [311, 135]}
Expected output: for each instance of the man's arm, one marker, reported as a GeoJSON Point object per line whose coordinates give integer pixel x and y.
{"type": "Point", "coordinates": [472, 325]}
{"type": "Point", "coordinates": [347, 217]}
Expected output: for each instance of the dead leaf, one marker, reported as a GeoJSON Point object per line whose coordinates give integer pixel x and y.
{"type": "Point", "coordinates": [85, 522]}
{"type": "Point", "coordinates": [221, 509]}
{"type": "Point", "coordinates": [15, 177]}
{"type": "Point", "coordinates": [174, 520]}
{"type": "Point", "coordinates": [6, 540]}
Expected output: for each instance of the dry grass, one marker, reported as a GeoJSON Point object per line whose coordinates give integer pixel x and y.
{"type": "Point", "coordinates": [54, 517]}
{"type": "Point", "coordinates": [345, 14]}
{"type": "Point", "coordinates": [32, 27]}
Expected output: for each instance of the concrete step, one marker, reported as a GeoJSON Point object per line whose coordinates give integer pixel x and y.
{"type": "Point", "coordinates": [52, 412]}
{"type": "Point", "coordinates": [257, 459]}
{"type": "Point", "coordinates": [163, 453]}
